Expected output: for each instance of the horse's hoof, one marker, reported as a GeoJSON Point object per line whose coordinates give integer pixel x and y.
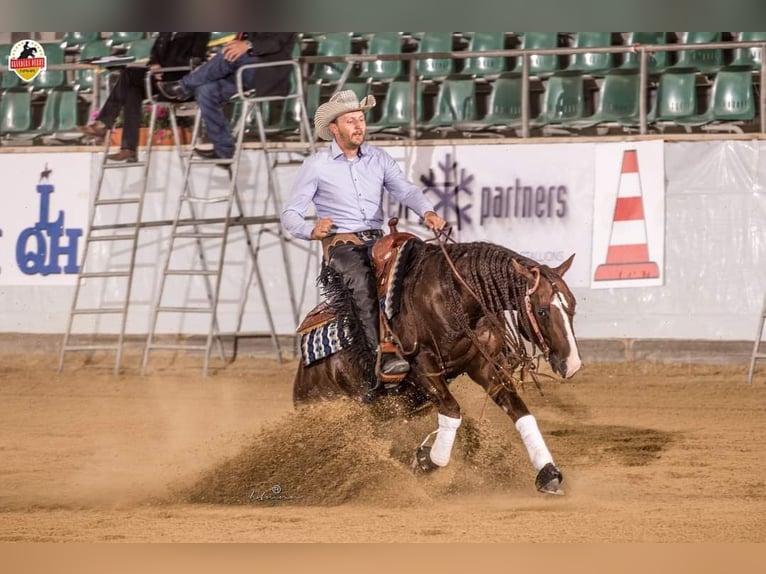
{"type": "Point", "coordinates": [549, 480]}
{"type": "Point", "coordinates": [423, 460]}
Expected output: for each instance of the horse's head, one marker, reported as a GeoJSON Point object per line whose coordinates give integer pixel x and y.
{"type": "Point", "coordinates": [551, 308]}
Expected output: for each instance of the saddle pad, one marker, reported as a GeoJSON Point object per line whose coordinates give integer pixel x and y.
{"type": "Point", "coordinates": [323, 341]}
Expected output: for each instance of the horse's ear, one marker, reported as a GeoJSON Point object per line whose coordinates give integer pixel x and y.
{"type": "Point", "coordinates": [523, 271]}
{"type": "Point", "coordinates": [564, 267]}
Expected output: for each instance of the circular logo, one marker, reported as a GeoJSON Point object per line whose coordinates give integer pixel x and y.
{"type": "Point", "coordinates": [27, 59]}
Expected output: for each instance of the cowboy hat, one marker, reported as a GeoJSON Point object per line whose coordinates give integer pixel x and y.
{"type": "Point", "coordinates": [341, 103]}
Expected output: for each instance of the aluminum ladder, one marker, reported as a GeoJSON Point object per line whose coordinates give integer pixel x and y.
{"type": "Point", "coordinates": [105, 280]}
{"type": "Point", "coordinates": [757, 354]}
{"type": "Point", "coordinates": [191, 225]}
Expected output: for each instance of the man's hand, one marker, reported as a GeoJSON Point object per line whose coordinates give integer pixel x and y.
{"type": "Point", "coordinates": [433, 221]}
{"type": "Point", "coordinates": [234, 49]}
{"type": "Point", "coordinates": [322, 228]}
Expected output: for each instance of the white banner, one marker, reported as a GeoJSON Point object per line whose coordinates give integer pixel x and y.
{"type": "Point", "coordinates": [44, 217]}
{"type": "Point", "coordinates": [629, 215]}
{"type": "Point", "coordinates": [536, 200]}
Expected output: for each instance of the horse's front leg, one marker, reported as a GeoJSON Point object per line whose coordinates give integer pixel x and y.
{"type": "Point", "coordinates": [431, 378]}
{"type": "Point", "coordinates": [549, 477]}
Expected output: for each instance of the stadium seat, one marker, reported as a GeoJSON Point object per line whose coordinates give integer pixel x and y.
{"type": "Point", "coordinates": [59, 118]}
{"type": "Point", "coordinates": [48, 79]}
{"type": "Point", "coordinates": [75, 41]}
{"type": "Point", "coordinates": [83, 79]}
{"type": "Point", "coordinates": [676, 97]}
{"type": "Point", "coordinates": [594, 64]}
{"type": "Point", "coordinates": [618, 101]}
{"type": "Point", "coordinates": [331, 44]}
{"type": "Point", "coordinates": [656, 61]}
{"type": "Point", "coordinates": [9, 79]}
{"type": "Point", "coordinates": [705, 61]}
{"type": "Point", "coordinates": [485, 67]}
{"type": "Point", "coordinates": [732, 101]}
{"type": "Point", "coordinates": [540, 64]}
{"type": "Point", "coordinates": [383, 70]}
{"type": "Point", "coordinates": [16, 112]}
{"type": "Point", "coordinates": [119, 38]}
{"type": "Point", "coordinates": [140, 49]}
{"type": "Point", "coordinates": [749, 56]}
{"type": "Point", "coordinates": [503, 108]}
{"type": "Point", "coordinates": [455, 102]}
{"type": "Point", "coordinates": [395, 113]}
{"type": "Point", "coordinates": [563, 101]}
{"type": "Point", "coordinates": [435, 68]}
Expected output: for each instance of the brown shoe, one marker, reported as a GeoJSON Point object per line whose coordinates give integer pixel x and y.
{"type": "Point", "coordinates": [95, 129]}
{"type": "Point", "coordinates": [126, 155]}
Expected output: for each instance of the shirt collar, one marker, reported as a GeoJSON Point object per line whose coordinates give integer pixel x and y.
{"type": "Point", "coordinates": [336, 152]}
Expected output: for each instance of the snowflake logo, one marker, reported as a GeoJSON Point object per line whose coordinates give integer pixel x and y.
{"type": "Point", "coordinates": [449, 192]}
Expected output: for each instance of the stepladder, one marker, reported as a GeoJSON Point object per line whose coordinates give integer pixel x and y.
{"type": "Point", "coordinates": [99, 312]}
{"type": "Point", "coordinates": [217, 207]}
{"type": "Point", "coordinates": [758, 353]}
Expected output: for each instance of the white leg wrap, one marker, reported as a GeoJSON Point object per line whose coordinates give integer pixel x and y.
{"type": "Point", "coordinates": [445, 438]}
{"type": "Point", "coordinates": [533, 440]}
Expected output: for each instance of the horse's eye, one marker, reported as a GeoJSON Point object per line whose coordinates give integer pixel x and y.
{"type": "Point", "coordinates": [542, 312]}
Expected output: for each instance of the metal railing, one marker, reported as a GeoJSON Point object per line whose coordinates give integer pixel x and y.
{"type": "Point", "coordinates": [643, 51]}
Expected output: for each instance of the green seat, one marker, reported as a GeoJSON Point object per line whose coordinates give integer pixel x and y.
{"type": "Point", "coordinates": [563, 99]}
{"type": "Point", "coordinates": [540, 64]}
{"type": "Point", "coordinates": [485, 66]}
{"type": "Point", "coordinates": [140, 49]}
{"type": "Point", "coordinates": [618, 101]}
{"type": "Point", "coordinates": [16, 111]}
{"type": "Point", "coordinates": [455, 102]}
{"type": "Point", "coordinates": [9, 78]}
{"type": "Point", "coordinates": [593, 63]}
{"type": "Point", "coordinates": [504, 109]}
{"type": "Point", "coordinates": [676, 96]}
{"type": "Point", "coordinates": [383, 70]}
{"type": "Point", "coordinates": [359, 86]}
{"type": "Point", "coordinates": [332, 44]}
{"type": "Point", "coordinates": [731, 100]}
{"type": "Point", "coordinates": [48, 79]}
{"type": "Point", "coordinates": [59, 111]}
{"type": "Point", "coordinates": [434, 68]}
{"type": "Point", "coordinates": [220, 38]}
{"type": "Point", "coordinates": [83, 79]}
{"type": "Point", "coordinates": [119, 38]}
{"type": "Point", "coordinates": [395, 113]}
{"type": "Point", "coordinates": [77, 40]}
{"type": "Point", "coordinates": [705, 61]}
{"type": "Point", "coordinates": [749, 56]}
{"type": "Point", "coordinates": [656, 61]}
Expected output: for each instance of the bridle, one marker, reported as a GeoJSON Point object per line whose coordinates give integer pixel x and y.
{"type": "Point", "coordinates": [531, 314]}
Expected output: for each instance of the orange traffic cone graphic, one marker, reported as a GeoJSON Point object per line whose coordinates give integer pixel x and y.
{"type": "Point", "coordinates": [628, 253]}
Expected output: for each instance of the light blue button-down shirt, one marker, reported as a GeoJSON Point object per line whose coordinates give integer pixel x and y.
{"type": "Point", "coordinates": [350, 191]}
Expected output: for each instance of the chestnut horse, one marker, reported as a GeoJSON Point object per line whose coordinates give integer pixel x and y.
{"type": "Point", "coordinates": [467, 308]}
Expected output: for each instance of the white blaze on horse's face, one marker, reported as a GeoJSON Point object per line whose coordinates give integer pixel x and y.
{"type": "Point", "coordinates": [572, 361]}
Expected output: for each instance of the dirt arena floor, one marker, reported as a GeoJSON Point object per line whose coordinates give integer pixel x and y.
{"type": "Point", "coordinates": [650, 453]}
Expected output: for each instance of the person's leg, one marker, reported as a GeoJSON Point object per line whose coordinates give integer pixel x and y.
{"type": "Point", "coordinates": [211, 98]}
{"type": "Point", "coordinates": [114, 102]}
{"type": "Point", "coordinates": [132, 109]}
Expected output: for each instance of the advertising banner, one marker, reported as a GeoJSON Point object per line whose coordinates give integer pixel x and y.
{"type": "Point", "coordinates": [536, 200]}
{"type": "Point", "coordinates": [43, 218]}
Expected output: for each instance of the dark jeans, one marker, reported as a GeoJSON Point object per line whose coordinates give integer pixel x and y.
{"type": "Point", "coordinates": [212, 84]}
{"type": "Point", "coordinates": [127, 96]}
{"type": "Point", "coordinates": [353, 263]}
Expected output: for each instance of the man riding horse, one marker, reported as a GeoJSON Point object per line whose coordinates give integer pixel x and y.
{"type": "Point", "coordinates": [345, 183]}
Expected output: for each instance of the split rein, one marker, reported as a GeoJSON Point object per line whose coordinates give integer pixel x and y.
{"type": "Point", "coordinates": [510, 331]}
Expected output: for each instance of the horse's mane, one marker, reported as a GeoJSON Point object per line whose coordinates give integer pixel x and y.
{"type": "Point", "coordinates": [486, 268]}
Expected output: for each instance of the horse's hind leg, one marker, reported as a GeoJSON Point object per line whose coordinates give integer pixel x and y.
{"type": "Point", "coordinates": [549, 477]}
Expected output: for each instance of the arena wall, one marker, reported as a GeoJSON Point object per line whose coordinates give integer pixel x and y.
{"type": "Point", "coordinates": [711, 251]}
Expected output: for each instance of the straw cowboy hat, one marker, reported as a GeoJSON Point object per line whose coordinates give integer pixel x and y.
{"type": "Point", "coordinates": [341, 103]}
